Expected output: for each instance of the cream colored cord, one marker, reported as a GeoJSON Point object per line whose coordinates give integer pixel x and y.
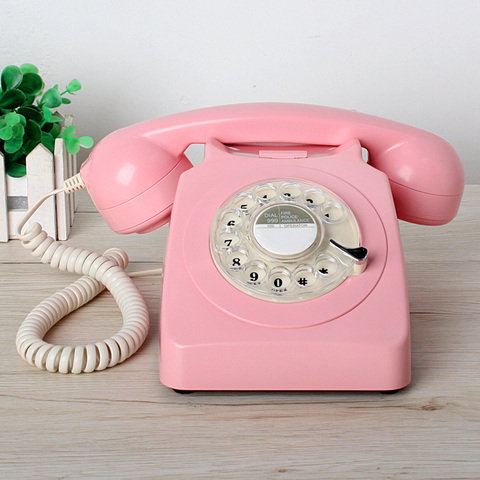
{"type": "Point", "coordinates": [100, 272]}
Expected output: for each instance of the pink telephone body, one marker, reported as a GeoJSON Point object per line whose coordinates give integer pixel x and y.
{"type": "Point", "coordinates": [284, 267]}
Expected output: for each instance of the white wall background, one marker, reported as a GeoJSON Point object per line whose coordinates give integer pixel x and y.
{"type": "Point", "coordinates": [414, 61]}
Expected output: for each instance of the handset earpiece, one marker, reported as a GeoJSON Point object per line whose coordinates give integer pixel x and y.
{"type": "Point", "coordinates": [132, 181]}
{"type": "Point", "coordinates": [426, 177]}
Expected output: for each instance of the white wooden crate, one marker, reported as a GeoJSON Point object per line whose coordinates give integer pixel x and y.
{"type": "Point", "coordinates": [45, 172]}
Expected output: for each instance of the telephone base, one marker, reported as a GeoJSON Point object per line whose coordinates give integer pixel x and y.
{"type": "Point", "coordinates": [216, 335]}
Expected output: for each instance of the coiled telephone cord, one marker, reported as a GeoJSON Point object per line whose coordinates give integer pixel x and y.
{"type": "Point", "coordinates": [99, 272]}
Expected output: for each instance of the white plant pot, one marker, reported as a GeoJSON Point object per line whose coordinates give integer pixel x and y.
{"type": "Point", "coordinates": [45, 172]}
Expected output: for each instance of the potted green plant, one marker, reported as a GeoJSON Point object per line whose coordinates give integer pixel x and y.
{"type": "Point", "coordinates": [30, 126]}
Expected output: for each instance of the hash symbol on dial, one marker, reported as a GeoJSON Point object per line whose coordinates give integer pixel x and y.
{"type": "Point", "coordinates": [302, 281]}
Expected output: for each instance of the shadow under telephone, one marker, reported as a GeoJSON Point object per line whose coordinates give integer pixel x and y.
{"type": "Point", "coordinates": [284, 267]}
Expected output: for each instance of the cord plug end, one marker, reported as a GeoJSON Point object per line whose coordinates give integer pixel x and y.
{"type": "Point", "coordinates": [73, 184]}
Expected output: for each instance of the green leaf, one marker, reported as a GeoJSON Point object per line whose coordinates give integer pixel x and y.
{"type": "Point", "coordinates": [72, 145]}
{"type": "Point", "coordinates": [51, 98]}
{"type": "Point", "coordinates": [6, 133]}
{"type": "Point", "coordinates": [15, 169]}
{"type": "Point", "coordinates": [13, 145]}
{"type": "Point", "coordinates": [56, 129]}
{"type": "Point", "coordinates": [56, 119]}
{"type": "Point", "coordinates": [86, 142]}
{"type": "Point", "coordinates": [12, 99]}
{"type": "Point", "coordinates": [47, 126]}
{"type": "Point", "coordinates": [11, 77]}
{"type": "Point", "coordinates": [74, 86]}
{"type": "Point", "coordinates": [29, 99]}
{"type": "Point", "coordinates": [12, 118]}
{"type": "Point", "coordinates": [32, 113]}
{"type": "Point", "coordinates": [15, 157]}
{"type": "Point", "coordinates": [48, 141]}
{"type": "Point", "coordinates": [47, 114]}
{"type": "Point", "coordinates": [32, 84]}
{"type": "Point", "coordinates": [28, 145]}
{"type": "Point", "coordinates": [69, 132]}
{"type": "Point", "coordinates": [66, 101]}
{"type": "Point", "coordinates": [28, 68]}
{"type": "Point", "coordinates": [18, 131]}
{"type": "Point", "coordinates": [33, 131]}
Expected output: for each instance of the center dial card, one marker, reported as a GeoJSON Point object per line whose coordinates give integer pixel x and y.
{"type": "Point", "coordinates": [285, 229]}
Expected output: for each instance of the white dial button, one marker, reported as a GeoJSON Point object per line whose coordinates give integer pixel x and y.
{"type": "Point", "coordinates": [245, 203]}
{"type": "Point", "coordinates": [290, 191]}
{"type": "Point", "coordinates": [255, 273]}
{"type": "Point", "coordinates": [228, 240]}
{"type": "Point", "coordinates": [333, 212]}
{"type": "Point", "coordinates": [326, 266]}
{"type": "Point", "coordinates": [231, 219]}
{"type": "Point", "coordinates": [266, 192]}
{"type": "Point", "coordinates": [304, 276]}
{"type": "Point", "coordinates": [314, 198]}
{"type": "Point", "coordinates": [236, 259]}
{"type": "Point", "coordinates": [279, 280]}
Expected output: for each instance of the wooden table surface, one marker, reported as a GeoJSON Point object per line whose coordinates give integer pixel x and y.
{"type": "Point", "coordinates": [122, 423]}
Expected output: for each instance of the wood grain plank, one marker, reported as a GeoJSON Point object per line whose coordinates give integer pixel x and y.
{"type": "Point", "coordinates": [122, 423]}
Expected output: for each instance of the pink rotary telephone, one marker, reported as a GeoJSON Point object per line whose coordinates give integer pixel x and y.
{"type": "Point", "coordinates": [266, 282]}
{"type": "Point", "coordinates": [284, 267]}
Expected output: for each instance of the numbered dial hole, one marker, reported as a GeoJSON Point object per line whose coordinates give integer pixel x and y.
{"type": "Point", "coordinates": [227, 240]}
{"type": "Point", "coordinates": [314, 198]}
{"type": "Point", "coordinates": [245, 203]}
{"type": "Point", "coordinates": [279, 280]}
{"type": "Point", "coordinates": [333, 212]}
{"type": "Point", "coordinates": [255, 273]}
{"type": "Point", "coordinates": [266, 193]}
{"type": "Point", "coordinates": [231, 219]}
{"type": "Point", "coordinates": [290, 191]}
{"type": "Point", "coordinates": [236, 259]}
{"type": "Point", "coordinates": [304, 277]}
{"type": "Point", "coordinates": [326, 266]}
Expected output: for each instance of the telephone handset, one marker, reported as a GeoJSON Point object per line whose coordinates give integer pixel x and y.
{"type": "Point", "coordinates": [133, 182]}
{"type": "Point", "coordinates": [284, 267]}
